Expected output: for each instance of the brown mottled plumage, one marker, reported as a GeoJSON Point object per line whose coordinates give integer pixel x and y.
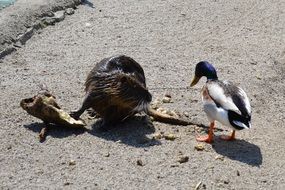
{"type": "Point", "coordinates": [116, 90]}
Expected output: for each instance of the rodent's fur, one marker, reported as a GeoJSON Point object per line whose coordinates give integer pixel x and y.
{"type": "Point", "coordinates": [116, 90]}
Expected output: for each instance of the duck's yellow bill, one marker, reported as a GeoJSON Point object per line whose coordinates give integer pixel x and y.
{"type": "Point", "coordinates": [195, 81]}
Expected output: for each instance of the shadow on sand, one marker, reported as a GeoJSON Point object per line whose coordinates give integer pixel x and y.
{"type": "Point", "coordinates": [54, 130]}
{"type": "Point", "coordinates": [132, 132]}
{"type": "Point", "coordinates": [239, 150]}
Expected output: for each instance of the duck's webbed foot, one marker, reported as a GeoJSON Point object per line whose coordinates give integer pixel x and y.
{"type": "Point", "coordinates": [210, 137]}
{"type": "Point", "coordinates": [206, 138]}
{"type": "Point", "coordinates": [228, 138]}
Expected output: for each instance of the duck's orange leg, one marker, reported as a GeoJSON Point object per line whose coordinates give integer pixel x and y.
{"type": "Point", "coordinates": [208, 138]}
{"type": "Point", "coordinates": [230, 137]}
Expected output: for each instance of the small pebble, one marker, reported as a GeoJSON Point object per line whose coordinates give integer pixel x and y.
{"type": "Point", "coordinates": [67, 183]}
{"type": "Point", "coordinates": [59, 16]}
{"type": "Point", "coordinates": [69, 11]}
{"type": "Point", "coordinates": [199, 147]}
{"type": "Point", "coordinates": [72, 162]}
{"type": "Point", "coordinates": [170, 137]}
{"type": "Point", "coordinates": [183, 159]}
{"type": "Point", "coordinates": [157, 136]}
{"type": "Point", "coordinates": [87, 24]}
{"type": "Point", "coordinates": [155, 104]}
{"type": "Point", "coordinates": [238, 174]}
{"type": "Point", "coordinates": [219, 158]}
{"type": "Point", "coordinates": [226, 181]}
{"type": "Point", "coordinates": [174, 165]}
{"type": "Point", "coordinates": [139, 163]}
{"type": "Point", "coordinates": [107, 154]}
{"type": "Point", "coordinates": [166, 100]}
{"type": "Point", "coordinates": [186, 114]}
{"type": "Point", "coordinates": [167, 95]}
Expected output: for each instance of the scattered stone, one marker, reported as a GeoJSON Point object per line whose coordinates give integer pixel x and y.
{"type": "Point", "coordinates": [166, 100]}
{"type": "Point", "coordinates": [155, 104]}
{"type": "Point", "coordinates": [200, 147]}
{"type": "Point", "coordinates": [167, 95]}
{"type": "Point", "coordinates": [118, 141]}
{"type": "Point", "coordinates": [220, 158]}
{"type": "Point", "coordinates": [170, 137]}
{"type": "Point", "coordinates": [140, 163]}
{"type": "Point", "coordinates": [107, 154]}
{"type": "Point", "coordinates": [9, 147]}
{"type": "Point", "coordinates": [258, 77]}
{"type": "Point", "coordinates": [69, 11]}
{"type": "Point", "coordinates": [47, 21]}
{"type": "Point", "coordinates": [87, 24]}
{"type": "Point", "coordinates": [183, 159]}
{"type": "Point", "coordinates": [157, 136]}
{"type": "Point", "coordinates": [72, 162]}
{"type": "Point", "coordinates": [174, 165]}
{"type": "Point", "coordinates": [59, 16]}
{"type": "Point", "coordinates": [186, 114]}
{"type": "Point", "coordinates": [226, 181]}
{"type": "Point", "coordinates": [238, 173]}
{"type": "Point", "coordinates": [67, 183]}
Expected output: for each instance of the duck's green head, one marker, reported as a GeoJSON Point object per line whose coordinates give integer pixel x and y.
{"type": "Point", "coordinates": [205, 69]}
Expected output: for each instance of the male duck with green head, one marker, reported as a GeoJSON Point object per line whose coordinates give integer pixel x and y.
{"type": "Point", "coordinates": [223, 102]}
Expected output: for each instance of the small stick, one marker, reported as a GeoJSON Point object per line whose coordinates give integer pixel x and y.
{"type": "Point", "coordinates": [43, 133]}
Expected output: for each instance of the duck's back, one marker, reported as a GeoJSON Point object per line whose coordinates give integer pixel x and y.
{"type": "Point", "coordinates": [117, 88]}
{"type": "Point", "coordinates": [229, 96]}
{"type": "Point", "coordinates": [114, 65]}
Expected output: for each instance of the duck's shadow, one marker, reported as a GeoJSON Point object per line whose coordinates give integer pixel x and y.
{"type": "Point", "coordinates": [132, 132]}
{"type": "Point", "coordinates": [239, 150]}
{"type": "Point", "coordinates": [54, 130]}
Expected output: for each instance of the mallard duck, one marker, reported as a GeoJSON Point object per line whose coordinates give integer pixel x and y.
{"type": "Point", "coordinates": [223, 102]}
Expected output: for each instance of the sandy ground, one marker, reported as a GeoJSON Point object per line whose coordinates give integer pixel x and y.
{"type": "Point", "coordinates": [245, 41]}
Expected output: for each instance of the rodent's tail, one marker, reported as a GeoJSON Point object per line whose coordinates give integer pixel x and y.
{"type": "Point", "coordinates": [166, 118]}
